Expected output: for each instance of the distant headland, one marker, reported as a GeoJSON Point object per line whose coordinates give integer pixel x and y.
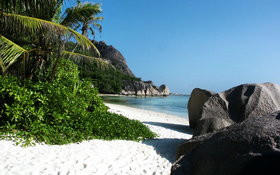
{"type": "Point", "coordinates": [178, 94]}
{"type": "Point", "coordinates": [127, 84]}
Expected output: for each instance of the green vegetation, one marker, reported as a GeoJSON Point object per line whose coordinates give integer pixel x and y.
{"type": "Point", "coordinates": [41, 95]}
{"type": "Point", "coordinates": [107, 81]}
{"type": "Point", "coordinates": [63, 111]}
{"type": "Point", "coordinates": [36, 31]}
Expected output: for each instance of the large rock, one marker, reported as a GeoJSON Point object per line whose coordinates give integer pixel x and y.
{"type": "Point", "coordinates": [150, 88]}
{"type": "Point", "coordinates": [163, 89]}
{"type": "Point", "coordinates": [237, 104]}
{"type": "Point", "coordinates": [114, 56]}
{"type": "Point", "coordinates": [197, 99]}
{"type": "Point", "coordinates": [145, 88]}
{"type": "Point", "coordinates": [226, 151]}
{"type": "Point", "coordinates": [262, 165]}
{"type": "Point", "coordinates": [134, 88]}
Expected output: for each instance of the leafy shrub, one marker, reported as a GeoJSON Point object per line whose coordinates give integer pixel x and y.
{"type": "Point", "coordinates": [67, 72]}
{"type": "Point", "coordinates": [61, 112]}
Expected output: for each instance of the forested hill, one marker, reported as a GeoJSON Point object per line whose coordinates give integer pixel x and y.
{"type": "Point", "coordinates": [107, 78]}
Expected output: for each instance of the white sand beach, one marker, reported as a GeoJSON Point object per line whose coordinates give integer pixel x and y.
{"type": "Point", "coordinates": [101, 157]}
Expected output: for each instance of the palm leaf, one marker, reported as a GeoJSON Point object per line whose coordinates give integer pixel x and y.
{"type": "Point", "coordinates": [91, 21]}
{"type": "Point", "coordinates": [9, 53]}
{"type": "Point", "coordinates": [83, 41]}
{"type": "Point", "coordinates": [32, 7]}
{"type": "Point", "coordinates": [96, 19]}
{"type": "Point", "coordinates": [18, 23]}
{"type": "Point", "coordinates": [79, 13]}
{"type": "Point", "coordinates": [81, 59]}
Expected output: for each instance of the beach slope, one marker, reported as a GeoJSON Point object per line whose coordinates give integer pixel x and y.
{"type": "Point", "coordinates": [100, 157]}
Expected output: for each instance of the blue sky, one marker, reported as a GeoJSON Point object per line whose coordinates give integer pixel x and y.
{"type": "Point", "coordinates": [209, 44]}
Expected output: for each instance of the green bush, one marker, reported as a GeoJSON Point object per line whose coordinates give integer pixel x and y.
{"type": "Point", "coordinates": [67, 72]}
{"type": "Point", "coordinates": [64, 111]}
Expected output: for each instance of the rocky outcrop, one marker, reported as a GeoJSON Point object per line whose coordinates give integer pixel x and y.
{"type": "Point", "coordinates": [197, 99]}
{"type": "Point", "coordinates": [237, 104]}
{"type": "Point", "coordinates": [114, 56]}
{"type": "Point", "coordinates": [227, 151]}
{"type": "Point", "coordinates": [144, 88]}
{"type": "Point", "coordinates": [133, 88]}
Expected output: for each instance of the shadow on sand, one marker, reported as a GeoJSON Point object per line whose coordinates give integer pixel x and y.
{"type": "Point", "coordinates": [179, 128]}
{"type": "Point", "coordinates": [167, 147]}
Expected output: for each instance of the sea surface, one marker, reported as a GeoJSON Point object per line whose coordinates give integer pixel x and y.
{"type": "Point", "coordinates": [173, 104]}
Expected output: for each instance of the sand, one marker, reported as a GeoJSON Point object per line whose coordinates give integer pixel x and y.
{"type": "Point", "coordinates": [101, 157]}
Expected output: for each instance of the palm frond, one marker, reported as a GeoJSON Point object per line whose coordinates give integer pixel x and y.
{"type": "Point", "coordinates": [91, 21]}
{"type": "Point", "coordinates": [96, 19]}
{"type": "Point", "coordinates": [9, 53]}
{"type": "Point", "coordinates": [79, 13]}
{"type": "Point", "coordinates": [43, 9]}
{"type": "Point", "coordinates": [97, 26]}
{"type": "Point", "coordinates": [57, 12]}
{"type": "Point", "coordinates": [83, 41]}
{"type": "Point", "coordinates": [18, 23]}
{"type": "Point", "coordinates": [81, 59]}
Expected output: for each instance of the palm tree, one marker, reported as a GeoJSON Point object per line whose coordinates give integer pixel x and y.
{"type": "Point", "coordinates": [27, 31]}
{"type": "Point", "coordinates": [88, 22]}
{"type": "Point", "coordinates": [92, 21]}
{"type": "Point", "coordinates": [72, 19]}
{"type": "Point", "coordinates": [85, 21]}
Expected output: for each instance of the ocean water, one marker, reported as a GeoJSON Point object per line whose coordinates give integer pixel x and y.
{"type": "Point", "coordinates": [173, 104]}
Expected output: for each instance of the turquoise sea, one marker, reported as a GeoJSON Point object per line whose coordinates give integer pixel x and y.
{"type": "Point", "coordinates": [173, 104]}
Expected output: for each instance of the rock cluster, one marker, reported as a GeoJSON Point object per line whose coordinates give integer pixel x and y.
{"type": "Point", "coordinates": [232, 128]}
{"type": "Point", "coordinates": [144, 88]}
{"type": "Point", "coordinates": [232, 106]}
{"type": "Point", "coordinates": [228, 150]}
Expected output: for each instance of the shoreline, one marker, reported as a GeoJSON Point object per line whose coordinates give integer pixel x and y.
{"type": "Point", "coordinates": [172, 105]}
{"type": "Point", "coordinates": [175, 94]}
{"type": "Point", "coordinates": [154, 156]}
{"type": "Point", "coordinates": [128, 110]}
{"type": "Point", "coordinates": [111, 95]}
